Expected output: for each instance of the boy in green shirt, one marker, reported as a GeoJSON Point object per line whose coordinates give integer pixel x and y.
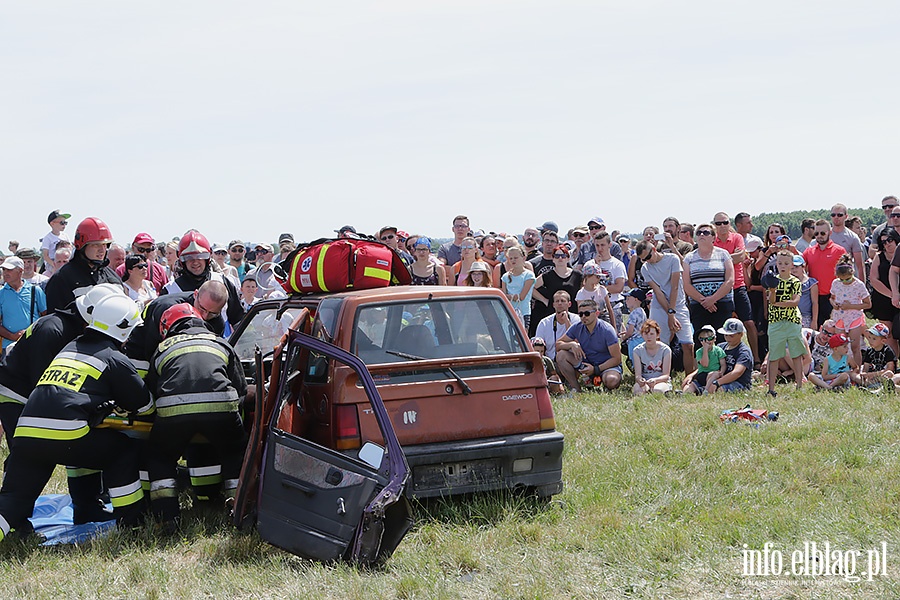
{"type": "Point", "coordinates": [710, 361]}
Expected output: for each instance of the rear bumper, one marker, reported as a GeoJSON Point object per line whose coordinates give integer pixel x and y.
{"type": "Point", "coordinates": [525, 461]}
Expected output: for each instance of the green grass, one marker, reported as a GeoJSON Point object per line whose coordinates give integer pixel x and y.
{"type": "Point", "coordinates": [660, 498]}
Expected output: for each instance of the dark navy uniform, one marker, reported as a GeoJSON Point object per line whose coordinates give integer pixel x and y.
{"type": "Point", "coordinates": [75, 277]}
{"type": "Point", "coordinates": [59, 425]}
{"type": "Point", "coordinates": [199, 385]}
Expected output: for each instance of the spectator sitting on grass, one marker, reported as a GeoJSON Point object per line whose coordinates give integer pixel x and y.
{"type": "Point", "coordinates": [738, 360]}
{"type": "Point", "coordinates": [652, 362]}
{"type": "Point", "coordinates": [879, 360]}
{"type": "Point", "coordinates": [591, 349]}
{"type": "Point", "coordinates": [554, 384]}
{"type": "Point", "coordinates": [837, 367]}
{"type": "Point", "coordinates": [710, 362]}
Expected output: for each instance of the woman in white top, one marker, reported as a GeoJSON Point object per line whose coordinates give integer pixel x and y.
{"type": "Point", "coordinates": [135, 280]}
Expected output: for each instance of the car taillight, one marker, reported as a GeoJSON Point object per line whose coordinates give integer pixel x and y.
{"type": "Point", "coordinates": [545, 410]}
{"type": "Point", "coordinates": [346, 427]}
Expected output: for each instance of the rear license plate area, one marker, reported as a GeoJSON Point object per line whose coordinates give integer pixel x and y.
{"type": "Point", "coordinates": [456, 474]}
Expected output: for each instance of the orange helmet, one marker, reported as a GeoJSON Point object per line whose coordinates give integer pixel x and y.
{"type": "Point", "coordinates": [174, 314]}
{"type": "Point", "coordinates": [91, 230]}
{"type": "Point", "coordinates": [194, 245]}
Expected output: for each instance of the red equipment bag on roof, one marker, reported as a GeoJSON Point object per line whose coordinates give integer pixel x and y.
{"type": "Point", "coordinates": [328, 265]}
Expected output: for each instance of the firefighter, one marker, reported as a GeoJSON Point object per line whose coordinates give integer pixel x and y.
{"type": "Point", "coordinates": [88, 267]}
{"type": "Point", "coordinates": [195, 256]}
{"type": "Point", "coordinates": [23, 367]}
{"type": "Point", "coordinates": [199, 385]}
{"type": "Point", "coordinates": [209, 300]}
{"type": "Point", "coordinates": [58, 425]}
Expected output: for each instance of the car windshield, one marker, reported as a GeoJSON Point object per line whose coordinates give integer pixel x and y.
{"type": "Point", "coordinates": [264, 330]}
{"type": "Point", "coordinates": [436, 328]}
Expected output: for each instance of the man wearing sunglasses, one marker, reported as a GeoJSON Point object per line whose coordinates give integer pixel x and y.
{"type": "Point", "coordinates": [388, 236]}
{"type": "Point", "coordinates": [821, 258]}
{"type": "Point", "coordinates": [662, 272]}
{"type": "Point", "coordinates": [590, 349]}
{"type": "Point", "coordinates": [846, 239]}
{"type": "Point", "coordinates": [890, 205]}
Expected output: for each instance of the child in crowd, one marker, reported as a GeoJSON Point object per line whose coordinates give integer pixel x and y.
{"type": "Point", "coordinates": [636, 317]}
{"type": "Point", "coordinates": [248, 292]}
{"type": "Point", "coordinates": [849, 297]}
{"type": "Point", "coordinates": [710, 362]}
{"type": "Point", "coordinates": [837, 367]}
{"type": "Point", "coordinates": [879, 361]}
{"type": "Point", "coordinates": [819, 349]}
{"type": "Point", "coordinates": [738, 374]}
{"type": "Point", "coordinates": [554, 383]}
{"type": "Point", "coordinates": [652, 362]}
{"type": "Point", "coordinates": [809, 293]}
{"type": "Point", "coordinates": [518, 284]}
{"type": "Point", "coordinates": [784, 329]}
{"type": "Point", "coordinates": [479, 275]}
{"type": "Point", "coordinates": [591, 288]}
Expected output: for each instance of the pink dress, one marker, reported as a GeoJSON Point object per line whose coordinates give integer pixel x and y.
{"type": "Point", "coordinates": [852, 293]}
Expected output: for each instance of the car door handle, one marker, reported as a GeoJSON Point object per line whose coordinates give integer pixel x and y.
{"type": "Point", "coordinates": [306, 489]}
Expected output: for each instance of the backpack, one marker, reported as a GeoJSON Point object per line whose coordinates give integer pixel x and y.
{"type": "Point", "coordinates": [335, 265]}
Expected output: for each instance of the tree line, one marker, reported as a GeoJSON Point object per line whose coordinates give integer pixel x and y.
{"type": "Point", "coordinates": [791, 220]}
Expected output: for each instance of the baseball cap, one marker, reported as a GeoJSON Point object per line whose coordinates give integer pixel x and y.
{"type": "Point", "coordinates": [798, 261]}
{"type": "Point", "coordinates": [596, 220]}
{"type": "Point", "coordinates": [638, 294]}
{"type": "Point", "coordinates": [838, 339]}
{"type": "Point", "coordinates": [387, 228]}
{"type": "Point", "coordinates": [234, 243]}
{"type": "Point", "coordinates": [708, 328]}
{"type": "Point", "coordinates": [57, 214]}
{"type": "Point", "coordinates": [753, 243]}
{"type": "Point", "coordinates": [879, 329]}
{"type": "Point", "coordinates": [402, 235]}
{"type": "Point", "coordinates": [732, 326]}
{"type": "Point", "coordinates": [538, 341]}
{"type": "Point", "coordinates": [590, 269]}
{"type": "Point", "coordinates": [13, 262]}
{"type": "Point", "coordinates": [285, 237]}
{"type": "Point", "coordinates": [217, 247]}
{"type": "Point", "coordinates": [143, 238]}
{"type": "Point", "coordinates": [424, 241]}
{"type": "Point", "coordinates": [783, 238]}
{"type": "Point", "coordinates": [623, 238]}
{"type": "Point", "coordinates": [549, 225]}
{"type": "Point", "coordinates": [345, 228]}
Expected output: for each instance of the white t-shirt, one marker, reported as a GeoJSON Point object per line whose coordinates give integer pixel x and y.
{"type": "Point", "coordinates": [49, 243]}
{"type": "Point", "coordinates": [552, 334]}
{"type": "Point", "coordinates": [611, 270]}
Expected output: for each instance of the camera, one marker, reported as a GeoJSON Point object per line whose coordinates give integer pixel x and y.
{"type": "Point", "coordinates": [660, 237]}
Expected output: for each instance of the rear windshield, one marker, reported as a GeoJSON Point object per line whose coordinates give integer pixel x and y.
{"type": "Point", "coordinates": [443, 328]}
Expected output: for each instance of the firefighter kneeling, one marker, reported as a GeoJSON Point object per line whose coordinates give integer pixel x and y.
{"type": "Point", "coordinates": [199, 385]}
{"type": "Point", "coordinates": [58, 424]}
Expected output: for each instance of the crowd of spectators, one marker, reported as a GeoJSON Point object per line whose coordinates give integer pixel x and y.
{"type": "Point", "coordinates": [590, 297]}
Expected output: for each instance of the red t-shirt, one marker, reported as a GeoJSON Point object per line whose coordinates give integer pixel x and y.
{"type": "Point", "coordinates": [734, 243]}
{"type": "Point", "coordinates": [820, 264]}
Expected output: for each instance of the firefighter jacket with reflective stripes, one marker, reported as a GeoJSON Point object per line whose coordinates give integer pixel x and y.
{"type": "Point", "coordinates": [195, 371]}
{"type": "Point", "coordinates": [144, 338]}
{"type": "Point", "coordinates": [80, 388]}
{"type": "Point", "coordinates": [40, 343]}
{"type": "Point", "coordinates": [75, 277]}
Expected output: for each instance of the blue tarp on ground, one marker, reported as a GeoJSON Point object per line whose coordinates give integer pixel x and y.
{"type": "Point", "coordinates": [53, 519]}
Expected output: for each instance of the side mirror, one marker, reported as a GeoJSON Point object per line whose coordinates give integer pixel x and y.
{"type": "Point", "coordinates": [371, 454]}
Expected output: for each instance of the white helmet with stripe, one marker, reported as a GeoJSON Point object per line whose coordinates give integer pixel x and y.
{"type": "Point", "coordinates": [116, 316]}
{"type": "Point", "coordinates": [86, 302]}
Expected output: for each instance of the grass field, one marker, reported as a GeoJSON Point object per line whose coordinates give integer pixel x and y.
{"type": "Point", "coordinates": [660, 500]}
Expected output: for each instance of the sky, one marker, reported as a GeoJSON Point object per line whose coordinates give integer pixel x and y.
{"type": "Point", "coordinates": [245, 120]}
